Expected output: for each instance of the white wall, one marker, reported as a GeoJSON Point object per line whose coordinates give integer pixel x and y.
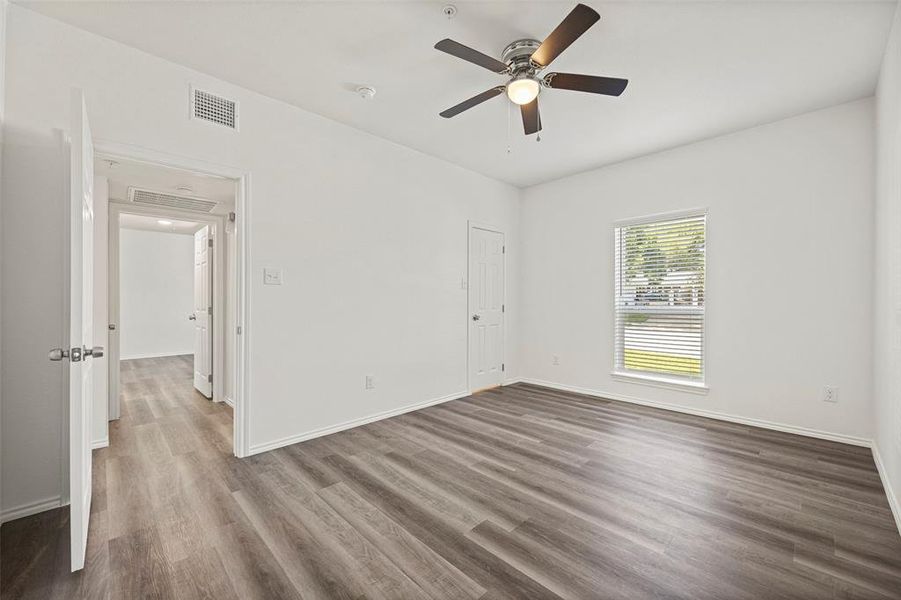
{"type": "Point", "coordinates": [789, 269]}
{"type": "Point", "coordinates": [887, 305]}
{"type": "Point", "coordinates": [156, 293]}
{"type": "Point", "coordinates": [4, 8]}
{"type": "Point", "coordinates": [371, 237]}
{"type": "Point", "coordinates": [100, 368]}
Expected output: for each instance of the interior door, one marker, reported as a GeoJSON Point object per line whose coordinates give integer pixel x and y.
{"type": "Point", "coordinates": [486, 308]}
{"type": "Point", "coordinates": [203, 313]}
{"type": "Point", "coordinates": [81, 308]}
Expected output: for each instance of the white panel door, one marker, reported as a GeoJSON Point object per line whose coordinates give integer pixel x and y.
{"type": "Point", "coordinates": [486, 308]}
{"type": "Point", "coordinates": [203, 309]}
{"type": "Point", "coordinates": [81, 310]}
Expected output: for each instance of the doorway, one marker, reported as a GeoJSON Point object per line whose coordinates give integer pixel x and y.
{"type": "Point", "coordinates": [486, 301]}
{"type": "Point", "coordinates": [175, 300]}
{"type": "Point", "coordinates": [163, 299]}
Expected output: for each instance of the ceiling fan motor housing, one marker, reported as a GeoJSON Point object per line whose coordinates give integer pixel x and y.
{"type": "Point", "coordinates": [517, 55]}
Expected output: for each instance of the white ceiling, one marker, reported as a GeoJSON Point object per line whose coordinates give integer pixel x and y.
{"type": "Point", "coordinates": [147, 223]}
{"type": "Point", "coordinates": [123, 174]}
{"type": "Point", "coordinates": [696, 69]}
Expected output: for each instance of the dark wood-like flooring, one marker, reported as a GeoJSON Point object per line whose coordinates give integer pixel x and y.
{"type": "Point", "coordinates": [520, 492]}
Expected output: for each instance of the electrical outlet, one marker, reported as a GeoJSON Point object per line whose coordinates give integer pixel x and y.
{"type": "Point", "coordinates": [830, 394]}
{"type": "Point", "coordinates": [272, 276]}
{"type": "Point", "coordinates": [555, 360]}
{"type": "Point", "coordinates": [370, 382]}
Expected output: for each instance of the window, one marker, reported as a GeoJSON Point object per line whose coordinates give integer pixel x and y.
{"type": "Point", "coordinates": [659, 303]}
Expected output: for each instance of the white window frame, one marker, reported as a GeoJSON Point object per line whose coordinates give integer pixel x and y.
{"type": "Point", "coordinates": [677, 383]}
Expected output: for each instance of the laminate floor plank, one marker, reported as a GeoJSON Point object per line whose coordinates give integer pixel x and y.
{"type": "Point", "coordinates": [519, 492]}
{"type": "Point", "coordinates": [436, 576]}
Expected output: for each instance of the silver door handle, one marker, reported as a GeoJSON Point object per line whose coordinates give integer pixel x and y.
{"type": "Point", "coordinates": [58, 354]}
{"type": "Point", "coordinates": [192, 318]}
{"type": "Point", "coordinates": [74, 354]}
{"type": "Point", "coordinates": [476, 317]}
{"type": "Point", "coordinates": [96, 351]}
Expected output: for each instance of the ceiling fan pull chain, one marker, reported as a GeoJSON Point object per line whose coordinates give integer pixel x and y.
{"type": "Point", "coordinates": [509, 150]}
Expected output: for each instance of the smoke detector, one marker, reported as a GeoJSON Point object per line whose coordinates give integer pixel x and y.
{"type": "Point", "coordinates": [365, 92]}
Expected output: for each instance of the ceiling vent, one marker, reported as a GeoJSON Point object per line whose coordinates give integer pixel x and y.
{"type": "Point", "coordinates": [153, 198]}
{"type": "Point", "coordinates": [214, 109]}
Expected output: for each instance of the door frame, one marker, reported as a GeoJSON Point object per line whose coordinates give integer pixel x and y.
{"type": "Point", "coordinates": [470, 225]}
{"type": "Point", "coordinates": [116, 151]}
{"type": "Point", "coordinates": [219, 336]}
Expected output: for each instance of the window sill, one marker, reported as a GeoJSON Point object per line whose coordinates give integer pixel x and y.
{"type": "Point", "coordinates": [664, 382]}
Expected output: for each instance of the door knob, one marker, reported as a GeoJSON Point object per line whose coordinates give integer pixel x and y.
{"type": "Point", "coordinates": [476, 317]}
{"type": "Point", "coordinates": [96, 351]}
{"type": "Point", "coordinates": [58, 354]}
{"type": "Point", "coordinates": [192, 318]}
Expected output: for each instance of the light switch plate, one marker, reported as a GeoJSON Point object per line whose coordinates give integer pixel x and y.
{"type": "Point", "coordinates": [272, 276]}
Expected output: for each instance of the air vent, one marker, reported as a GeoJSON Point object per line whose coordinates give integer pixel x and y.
{"type": "Point", "coordinates": [213, 108]}
{"type": "Point", "coordinates": [154, 198]}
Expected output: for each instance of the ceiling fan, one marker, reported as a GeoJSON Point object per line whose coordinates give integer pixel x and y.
{"type": "Point", "coordinates": [523, 61]}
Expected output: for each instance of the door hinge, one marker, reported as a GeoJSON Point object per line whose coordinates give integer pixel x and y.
{"type": "Point", "coordinates": [209, 242]}
{"type": "Point", "coordinates": [503, 367]}
{"type": "Point", "coordinates": [503, 308]}
{"type": "Point", "coordinates": [504, 249]}
{"type": "Point", "coordinates": [209, 311]}
{"type": "Point", "coordinates": [209, 378]}
{"type": "Point", "coordinates": [239, 330]}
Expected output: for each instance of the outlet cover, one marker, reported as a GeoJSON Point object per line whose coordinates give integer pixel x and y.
{"type": "Point", "coordinates": [272, 276]}
{"type": "Point", "coordinates": [370, 382]}
{"type": "Point", "coordinates": [830, 394]}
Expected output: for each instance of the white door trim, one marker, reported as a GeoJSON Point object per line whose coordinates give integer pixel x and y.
{"type": "Point", "coordinates": [470, 226]}
{"type": "Point", "coordinates": [113, 150]}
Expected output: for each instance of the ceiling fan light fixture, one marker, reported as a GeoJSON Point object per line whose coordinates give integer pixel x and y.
{"type": "Point", "coordinates": [523, 90]}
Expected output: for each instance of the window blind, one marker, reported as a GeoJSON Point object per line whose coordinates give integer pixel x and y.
{"type": "Point", "coordinates": [659, 297]}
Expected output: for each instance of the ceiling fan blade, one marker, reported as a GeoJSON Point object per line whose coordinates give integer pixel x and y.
{"type": "Point", "coordinates": [468, 54]}
{"type": "Point", "coordinates": [568, 31]}
{"type": "Point", "coordinates": [474, 101]}
{"type": "Point", "coordinates": [609, 86]}
{"type": "Point", "coordinates": [531, 118]}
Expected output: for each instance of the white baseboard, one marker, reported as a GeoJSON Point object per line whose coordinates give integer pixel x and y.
{"type": "Point", "coordinates": [31, 508]}
{"type": "Point", "coordinates": [309, 435]}
{"type": "Point", "coordinates": [100, 443]}
{"type": "Point", "coordinates": [889, 491]}
{"type": "Point", "coordinates": [228, 400]}
{"type": "Point", "coordinates": [814, 433]}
